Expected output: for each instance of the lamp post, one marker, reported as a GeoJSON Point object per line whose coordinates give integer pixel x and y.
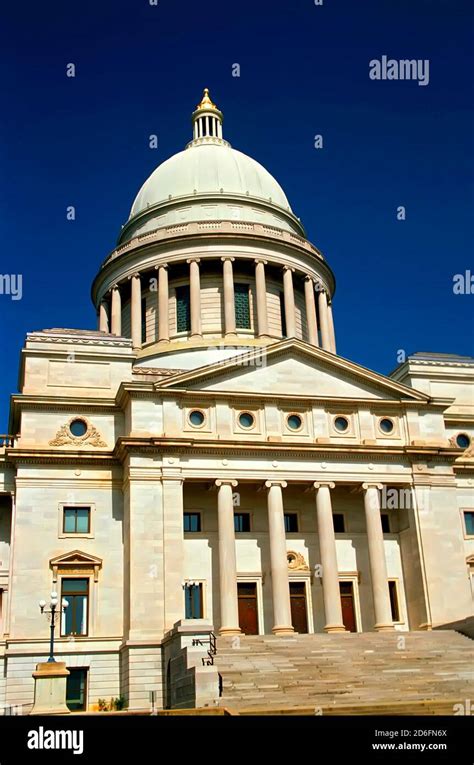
{"type": "Point", "coordinates": [53, 614]}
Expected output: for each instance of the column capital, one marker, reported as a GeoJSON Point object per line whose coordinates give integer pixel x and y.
{"type": "Point", "coordinates": [320, 484]}
{"type": "Point", "coordinates": [227, 257]}
{"type": "Point", "coordinates": [372, 485]}
{"type": "Point", "coordinates": [193, 260]}
{"type": "Point", "coordinates": [114, 287]}
{"type": "Point", "coordinates": [226, 482]}
{"type": "Point", "coordinates": [161, 265]}
{"type": "Point", "coordinates": [269, 484]}
{"type": "Point", "coordinates": [310, 278]}
{"type": "Point", "coordinates": [289, 268]}
{"type": "Point", "coordinates": [261, 260]}
{"type": "Point", "coordinates": [136, 275]}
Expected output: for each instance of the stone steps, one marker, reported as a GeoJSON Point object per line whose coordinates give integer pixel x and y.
{"type": "Point", "coordinates": [340, 670]}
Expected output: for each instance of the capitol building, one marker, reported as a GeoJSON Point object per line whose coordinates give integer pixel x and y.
{"type": "Point", "coordinates": [205, 463]}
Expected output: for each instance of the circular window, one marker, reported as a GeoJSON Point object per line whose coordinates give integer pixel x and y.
{"type": "Point", "coordinates": [341, 424]}
{"type": "Point", "coordinates": [196, 418]}
{"type": "Point", "coordinates": [246, 420]}
{"type": "Point", "coordinates": [386, 425]}
{"type": "Point", "coordinates": [78, 428]}
{"type": "Point", "coordinates": [294, 421]}
{"type": "Point", "coordinates": [463, 440]}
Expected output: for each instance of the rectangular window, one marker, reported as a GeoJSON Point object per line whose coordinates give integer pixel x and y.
{"type": "Point", "coordinates": [282, 315]}
{"type": "Point", "coordinates": [291, 522]}
{"type": "Point", "coordinates": [183, 309]}
{"type": "Point", "coordinates": [339, 523]}
{"type": "Point", "coordinates": [469, 522]}
{"type": "Point", "coordinates": [242, 306]}
{"type": "Point", "coordinates": [242, 521]}
{"type": "Point", "coordinates": [385, 523]}
{"type": "Point", "coordinates": [192, 521]}
{"type": "Point", "coordinates": [143, 320]}
{"type": "Point", "coordinates": [74, 619]}
{"type": "Point", "coordinates": [76, 520]}
{"type": "Point", "coordinates": [392, 589]}
{"type": "Point", "coordinates": [193, 601]}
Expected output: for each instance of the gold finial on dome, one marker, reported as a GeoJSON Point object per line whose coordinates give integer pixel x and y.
{"type": "Point", "coordinates": [206, 102]}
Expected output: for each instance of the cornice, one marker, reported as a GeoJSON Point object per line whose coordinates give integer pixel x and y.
{"type": "Point", "coordinates": [125, 445]}
{"type": "Point", "coordinates": [201, 232]}
{"type": "Point", "coordinates": [111, 341]}
{"type": "Point", "coordinates": [55, 456]}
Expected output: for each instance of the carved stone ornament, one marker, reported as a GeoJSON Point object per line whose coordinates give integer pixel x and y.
{"type": "Point", "coordinates": [296, 562]}
{"type": "Point", "coordinates": [64, 437]}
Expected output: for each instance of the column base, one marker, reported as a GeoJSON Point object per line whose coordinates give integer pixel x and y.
{"type": "Point", "coordinates": [195, 336]}
{"type": "Point", "coordinates": [230, 335]}
{"type": "Point", "coordinates": [282, 630]}
{"type": "Point", "coordinates": [163, 340]}
{"type": "Point", "coordinates": [334, 628]}
{"type": "Point", "coordinates": [384, 627]}
{"type": "Point", "coordinates": [230, 631]}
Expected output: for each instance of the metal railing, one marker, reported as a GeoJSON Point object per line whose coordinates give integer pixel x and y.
{"type": "Point", "coordinates": [211, 651]}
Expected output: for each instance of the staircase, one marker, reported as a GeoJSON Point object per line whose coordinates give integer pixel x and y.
{"type": "Point", "coordinates": [400, 672]}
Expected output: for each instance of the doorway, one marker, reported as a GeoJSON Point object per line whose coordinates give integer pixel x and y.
{"type": "Point", "coordinates": [299, 618]}
{"type": "Point", "coordinates": [76, 689]}
{"type": "Point", "coordinates": [347, 604]}
{"type": "Point", "coordinates": [248, 609]}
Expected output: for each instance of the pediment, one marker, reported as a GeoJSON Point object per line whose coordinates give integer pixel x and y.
{"type": "Point", "coordinates": [292, 367]}
{"type": "Point", "coordinates": [75, 562]}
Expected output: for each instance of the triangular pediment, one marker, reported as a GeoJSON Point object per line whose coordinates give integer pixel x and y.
{"type": "Point", "coordinates": [292, 367]}
{"type": "Point", "coordinates": [76, 558]}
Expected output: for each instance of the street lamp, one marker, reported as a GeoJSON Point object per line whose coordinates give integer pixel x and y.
{"type": "Point", "coordinates": [53, 614]}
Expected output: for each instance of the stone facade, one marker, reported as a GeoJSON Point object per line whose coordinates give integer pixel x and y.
{"type": "Point", "coordinates": [338, 475]}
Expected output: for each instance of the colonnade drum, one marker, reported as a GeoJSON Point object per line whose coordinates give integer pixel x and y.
{"type": "Point", "coordinates": [166, 304]}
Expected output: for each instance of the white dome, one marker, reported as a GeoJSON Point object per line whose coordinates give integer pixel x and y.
{"type": "Point", "coordinates": [209, 169]}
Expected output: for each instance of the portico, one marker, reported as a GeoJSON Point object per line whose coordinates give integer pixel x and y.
{"type": "Point", "coordinates": [248, 525]}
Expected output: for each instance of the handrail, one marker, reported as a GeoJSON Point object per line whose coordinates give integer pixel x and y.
{"type": "Point", "coordinates": [212, 650]}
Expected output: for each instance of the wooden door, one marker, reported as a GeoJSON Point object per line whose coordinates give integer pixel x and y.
{"type": "Point", "coordinates": [248, 612]}
{"type": "Point", "coordinates": [347, 603]}
{"type": "Point", "coordinates": [299, 617]}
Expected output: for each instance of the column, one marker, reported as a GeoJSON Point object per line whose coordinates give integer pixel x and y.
{"type": "Point", "coordinates": [289, 300]}
{"type": "Point", "coordinates": [327, 551]}
{"type": "Point", "coordinates": [104, 316]}
{"type": "Point", "coordinates": [261, 295]}
{"type": "Point", "coordinates": [116, 310]}
{"type": "Point", "coordinates": [229, 299]}
{"type": "Point", "coordinates": [332, 334]}
{"type": "Point", "coordinates": [227, 559]}
{"type": "Point", "coordinates": [136, 311]}
{"type": "Point", "coordinates": [278, 559]}
{"type": "Point", "coordinates": [311, 310]}
{"type": "Point", "coordinates": [173, 546]}
{"type": "Point", "coordinates": [195, 297]}
{"type": "Point", "coordinates": [163, 304]}
{"type": "Point", "coordinates": [378, 565]}
{"type": "Point", "coordinates": [324, 321]}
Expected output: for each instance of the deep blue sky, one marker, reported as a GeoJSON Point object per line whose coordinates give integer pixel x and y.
{"type": "Point", "coordinates": [304, 71]}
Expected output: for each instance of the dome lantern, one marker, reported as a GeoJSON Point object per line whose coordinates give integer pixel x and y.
{"type": "Point", "coordinates": [207, 119]}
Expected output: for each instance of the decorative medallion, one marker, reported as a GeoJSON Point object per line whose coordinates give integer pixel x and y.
{"type": "Point", "coordinates": [296, 562]}
{"type": "Point", "coordinates": [77, 432]}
